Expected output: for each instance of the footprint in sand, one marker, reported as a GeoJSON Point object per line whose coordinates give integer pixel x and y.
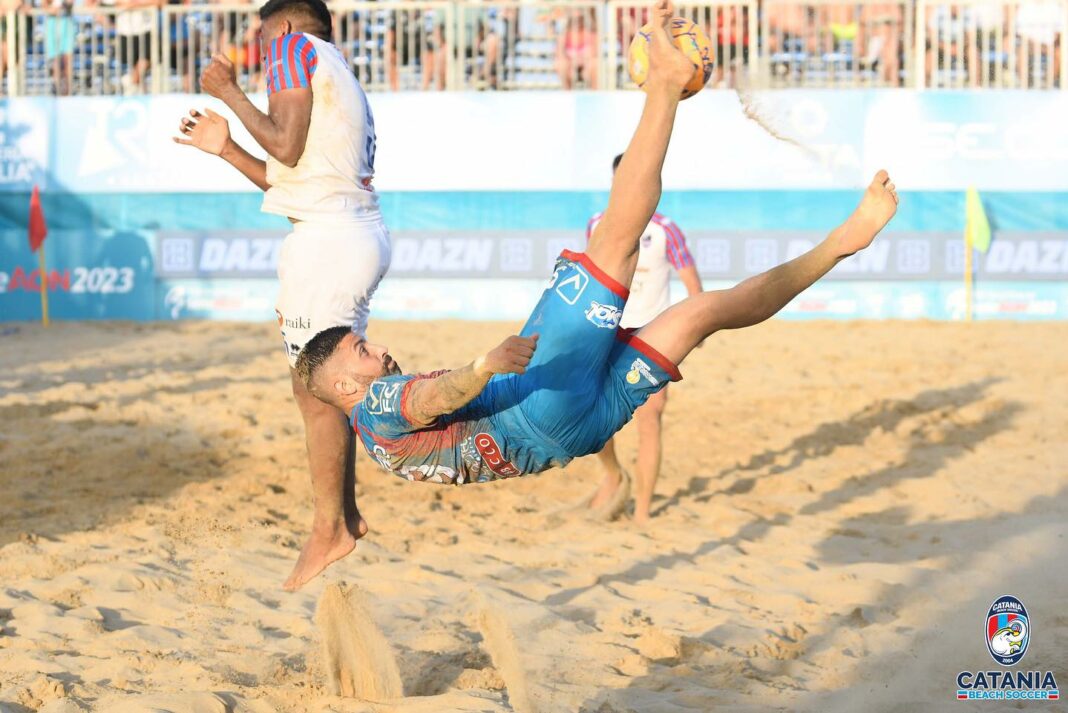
{"type": "Point", "coordinates": [358, 659]}
{"type": "Point", "coordinates": [500, 641]}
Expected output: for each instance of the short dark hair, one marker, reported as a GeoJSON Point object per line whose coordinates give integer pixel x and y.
{"type": "Point", "coordinates": [314, 10]}
{"type": "Point", "coordinates": [615, 162]}
{"type": "Point", "coordinates": [316, 352]}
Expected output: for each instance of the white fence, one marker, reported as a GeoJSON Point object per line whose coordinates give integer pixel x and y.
{"type": "Point", "coordinates": [398, 45]}
{"type": "Point", "coordinates": [982, 43]}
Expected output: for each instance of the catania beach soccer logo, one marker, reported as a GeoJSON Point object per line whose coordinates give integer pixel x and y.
{"type": "Point", "coordinates": [1007, 631]}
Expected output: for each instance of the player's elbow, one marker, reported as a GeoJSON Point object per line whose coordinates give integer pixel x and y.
{"type": "Point", "coordinates": [289, 150]}
{"type": "Point", "coordinates": [290, 156]}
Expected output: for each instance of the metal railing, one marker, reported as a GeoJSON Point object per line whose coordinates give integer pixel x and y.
{"type": "Point", "coordinates": [828, 43]}
{"type": "Point", "coordinates": [397, 45]}
{"type": "Point", "coordinates": [983, 43]}
{"type": "Point", "coordinates": [96, 50]}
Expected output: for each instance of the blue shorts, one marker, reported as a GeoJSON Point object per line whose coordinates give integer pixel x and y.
{"type": "Point", "coordinates": [587, 376]}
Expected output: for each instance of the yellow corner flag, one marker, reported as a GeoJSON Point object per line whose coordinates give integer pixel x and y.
{"type": "Point", "coordinates": [976, 235]}
{"type": "Point", "coordinates": [976, 226]}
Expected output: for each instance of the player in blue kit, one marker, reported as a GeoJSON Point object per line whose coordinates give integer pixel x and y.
{"type": "Point", "coordinates": [572, 378]}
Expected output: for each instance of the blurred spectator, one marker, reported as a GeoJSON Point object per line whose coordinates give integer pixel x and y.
{"type": "Point", "coordinates": [237, 36]}
{"type": "Point", "coordinates": [945, 32]}
{"type": "Point", "coordinates": [7, 38]}
{"type": "Point", "coordinates": [182, 56]}
{"type": "Point", "coordinates": [434, 49]}
{"type": "Point", "coordinates": [1038, 53]}
{"type": "Point", "coordinates": [788, 41]}
{"type": "Point", "coordinates": [991, 28]}
{"type": "Point", "coordinates": [133, 26]}
{"type": "Point", "coordinates": [576, 50]}
{"type": "Point", "coordinates": [493, 43]}
{"type": "Point", "coordinates": [401, 43]}
{"type": "Point", "coordinates": [731, 42]}
{"type": "Point", "coordinates": [883, 22]}
{"type": "Point", "coordinates": [628, 21]}
{"type": "Point", "coordinates": [839, 31]}
{"type": "Point", "coordinates": [59, 45]}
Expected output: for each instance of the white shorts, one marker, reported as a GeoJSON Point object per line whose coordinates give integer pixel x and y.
{"type": "Point", "coordinates": [328, 273]}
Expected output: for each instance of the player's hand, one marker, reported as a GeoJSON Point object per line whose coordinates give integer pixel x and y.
{"type": "Point", "coordinates": [209, 132]}
{"type": "Point", "coordinates": [511, 357]}
{"type": "Point", "coordinates": [668, 66]}
{"type": "Point", "coordinates": [219, 78]}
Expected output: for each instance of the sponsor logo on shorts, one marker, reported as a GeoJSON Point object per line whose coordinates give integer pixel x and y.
{"type": "Point", "coordinates": [1007, 631]}
{"type": "Point", "coordinates": [429, 473]}
{"type": "Point", "coordinates": [494, 457]}
{"type": "Point", "coordinates": [383, 457]}
{"type": "Point", "coordinates": [604, 316]}
{"type": "Point", "coordinates": [382, 398]}
{"type": "Point", "coordinates": [639, 368]}
{"type": "Point", "coordinates": [571, 287]}
{"type": "Point", "coordinates": [297, 323]}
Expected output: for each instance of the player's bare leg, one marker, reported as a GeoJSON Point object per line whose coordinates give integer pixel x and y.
{"type": "Point", "coordinates": [337, 523]}
{"type": "Point", "coordinates": [679, 330]}
{"type": "Point", "coordinates": [613, 475]}
{"type": "Point", "coordinates": [647, 469]}
{"type": "Point", "coordinates": [613, 247]}
{"type": "Point", "coordinates": [648, 419]}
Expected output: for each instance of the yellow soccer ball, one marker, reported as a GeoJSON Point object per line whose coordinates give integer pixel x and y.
{"type": "Point", "coordinates": [689, 38]}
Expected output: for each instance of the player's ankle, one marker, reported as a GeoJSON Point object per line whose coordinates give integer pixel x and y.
{"type": "Point", "coordinates": [328, 527]}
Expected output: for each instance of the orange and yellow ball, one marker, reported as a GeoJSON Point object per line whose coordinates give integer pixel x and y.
{"type": "Point", "coordinates": [689, 38]}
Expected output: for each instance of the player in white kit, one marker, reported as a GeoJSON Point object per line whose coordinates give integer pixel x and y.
{"type": "Point", "coordinates": [662, 249]}
{"type": "Point", "coordinates": [320, 162]}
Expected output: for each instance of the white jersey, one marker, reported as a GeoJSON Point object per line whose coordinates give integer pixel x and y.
{"type": "Point", "coordinates": [662, 248]}
{"type": "Point", "coordinates": [332, 180]}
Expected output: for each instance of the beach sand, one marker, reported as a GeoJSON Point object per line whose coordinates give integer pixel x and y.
{"type": "Point", "coordinates": [840, 504]}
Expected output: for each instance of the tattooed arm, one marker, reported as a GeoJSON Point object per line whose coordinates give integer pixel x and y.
{"type": "Point", "coordinates": [455, 389]}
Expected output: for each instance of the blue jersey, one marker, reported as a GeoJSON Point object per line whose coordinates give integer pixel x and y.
{"type": "Point", "coordinates": [472, 445]}
{"type": "Point", "coordinates": [585, 381]}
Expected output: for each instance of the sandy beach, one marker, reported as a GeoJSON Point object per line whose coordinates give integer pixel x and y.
{"type": "Point", "coordinates": [840, 504]}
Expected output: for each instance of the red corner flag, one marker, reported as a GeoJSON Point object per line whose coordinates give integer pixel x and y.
{"type": "Point", "coordinates": [38, 229]}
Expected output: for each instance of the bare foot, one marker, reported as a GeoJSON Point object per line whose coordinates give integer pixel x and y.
{"type": "Point", "coordinates": [606, 492]}
{"type": "Point", "coordinates": [641, 512]}
{"type": "Point", "coordinates": [324, 547]}
{"type": "Point", "coordinates": [668, 66]}
{"type": "Point", "coordinates": [876, 209]}
{"type": "Point", "coordinates": [611, 498]}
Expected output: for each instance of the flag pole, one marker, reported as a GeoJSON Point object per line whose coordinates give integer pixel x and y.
{"type": "Point", "coordinates": [44, 286]}
{"type": "Point", "coordinates": [967, 278]}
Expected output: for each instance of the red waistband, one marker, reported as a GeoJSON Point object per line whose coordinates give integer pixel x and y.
{"type": "Point", "coordinates": [598, 274]}
{"type": "Point", "coordinates": [630, 337]}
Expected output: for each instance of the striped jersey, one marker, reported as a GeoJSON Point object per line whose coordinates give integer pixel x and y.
{"type": "Point", "coordinates": [662, 247]}
{"type": "Point", "coordinates": [332, 178]}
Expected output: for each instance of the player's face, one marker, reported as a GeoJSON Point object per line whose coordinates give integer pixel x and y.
{"type": "Point", "coordinates": [272, 28]}
{"type": "Point", "coordinates": [367, 361]}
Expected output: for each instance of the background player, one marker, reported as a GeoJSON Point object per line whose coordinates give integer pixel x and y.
{"type": "Point", "coordinates": [662, 248]}
{"type": "Point", "coordinates": [318, 174]}
{"type": "Point", "coordinates": [572, 378]}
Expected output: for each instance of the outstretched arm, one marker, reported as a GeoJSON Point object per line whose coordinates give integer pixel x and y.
{"type": "Point", "coordinates": [283, 130]}
{"type": "Point", "coordinates": [453, 390]}
{"type": "Point", "coordinates": [210, 133]}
